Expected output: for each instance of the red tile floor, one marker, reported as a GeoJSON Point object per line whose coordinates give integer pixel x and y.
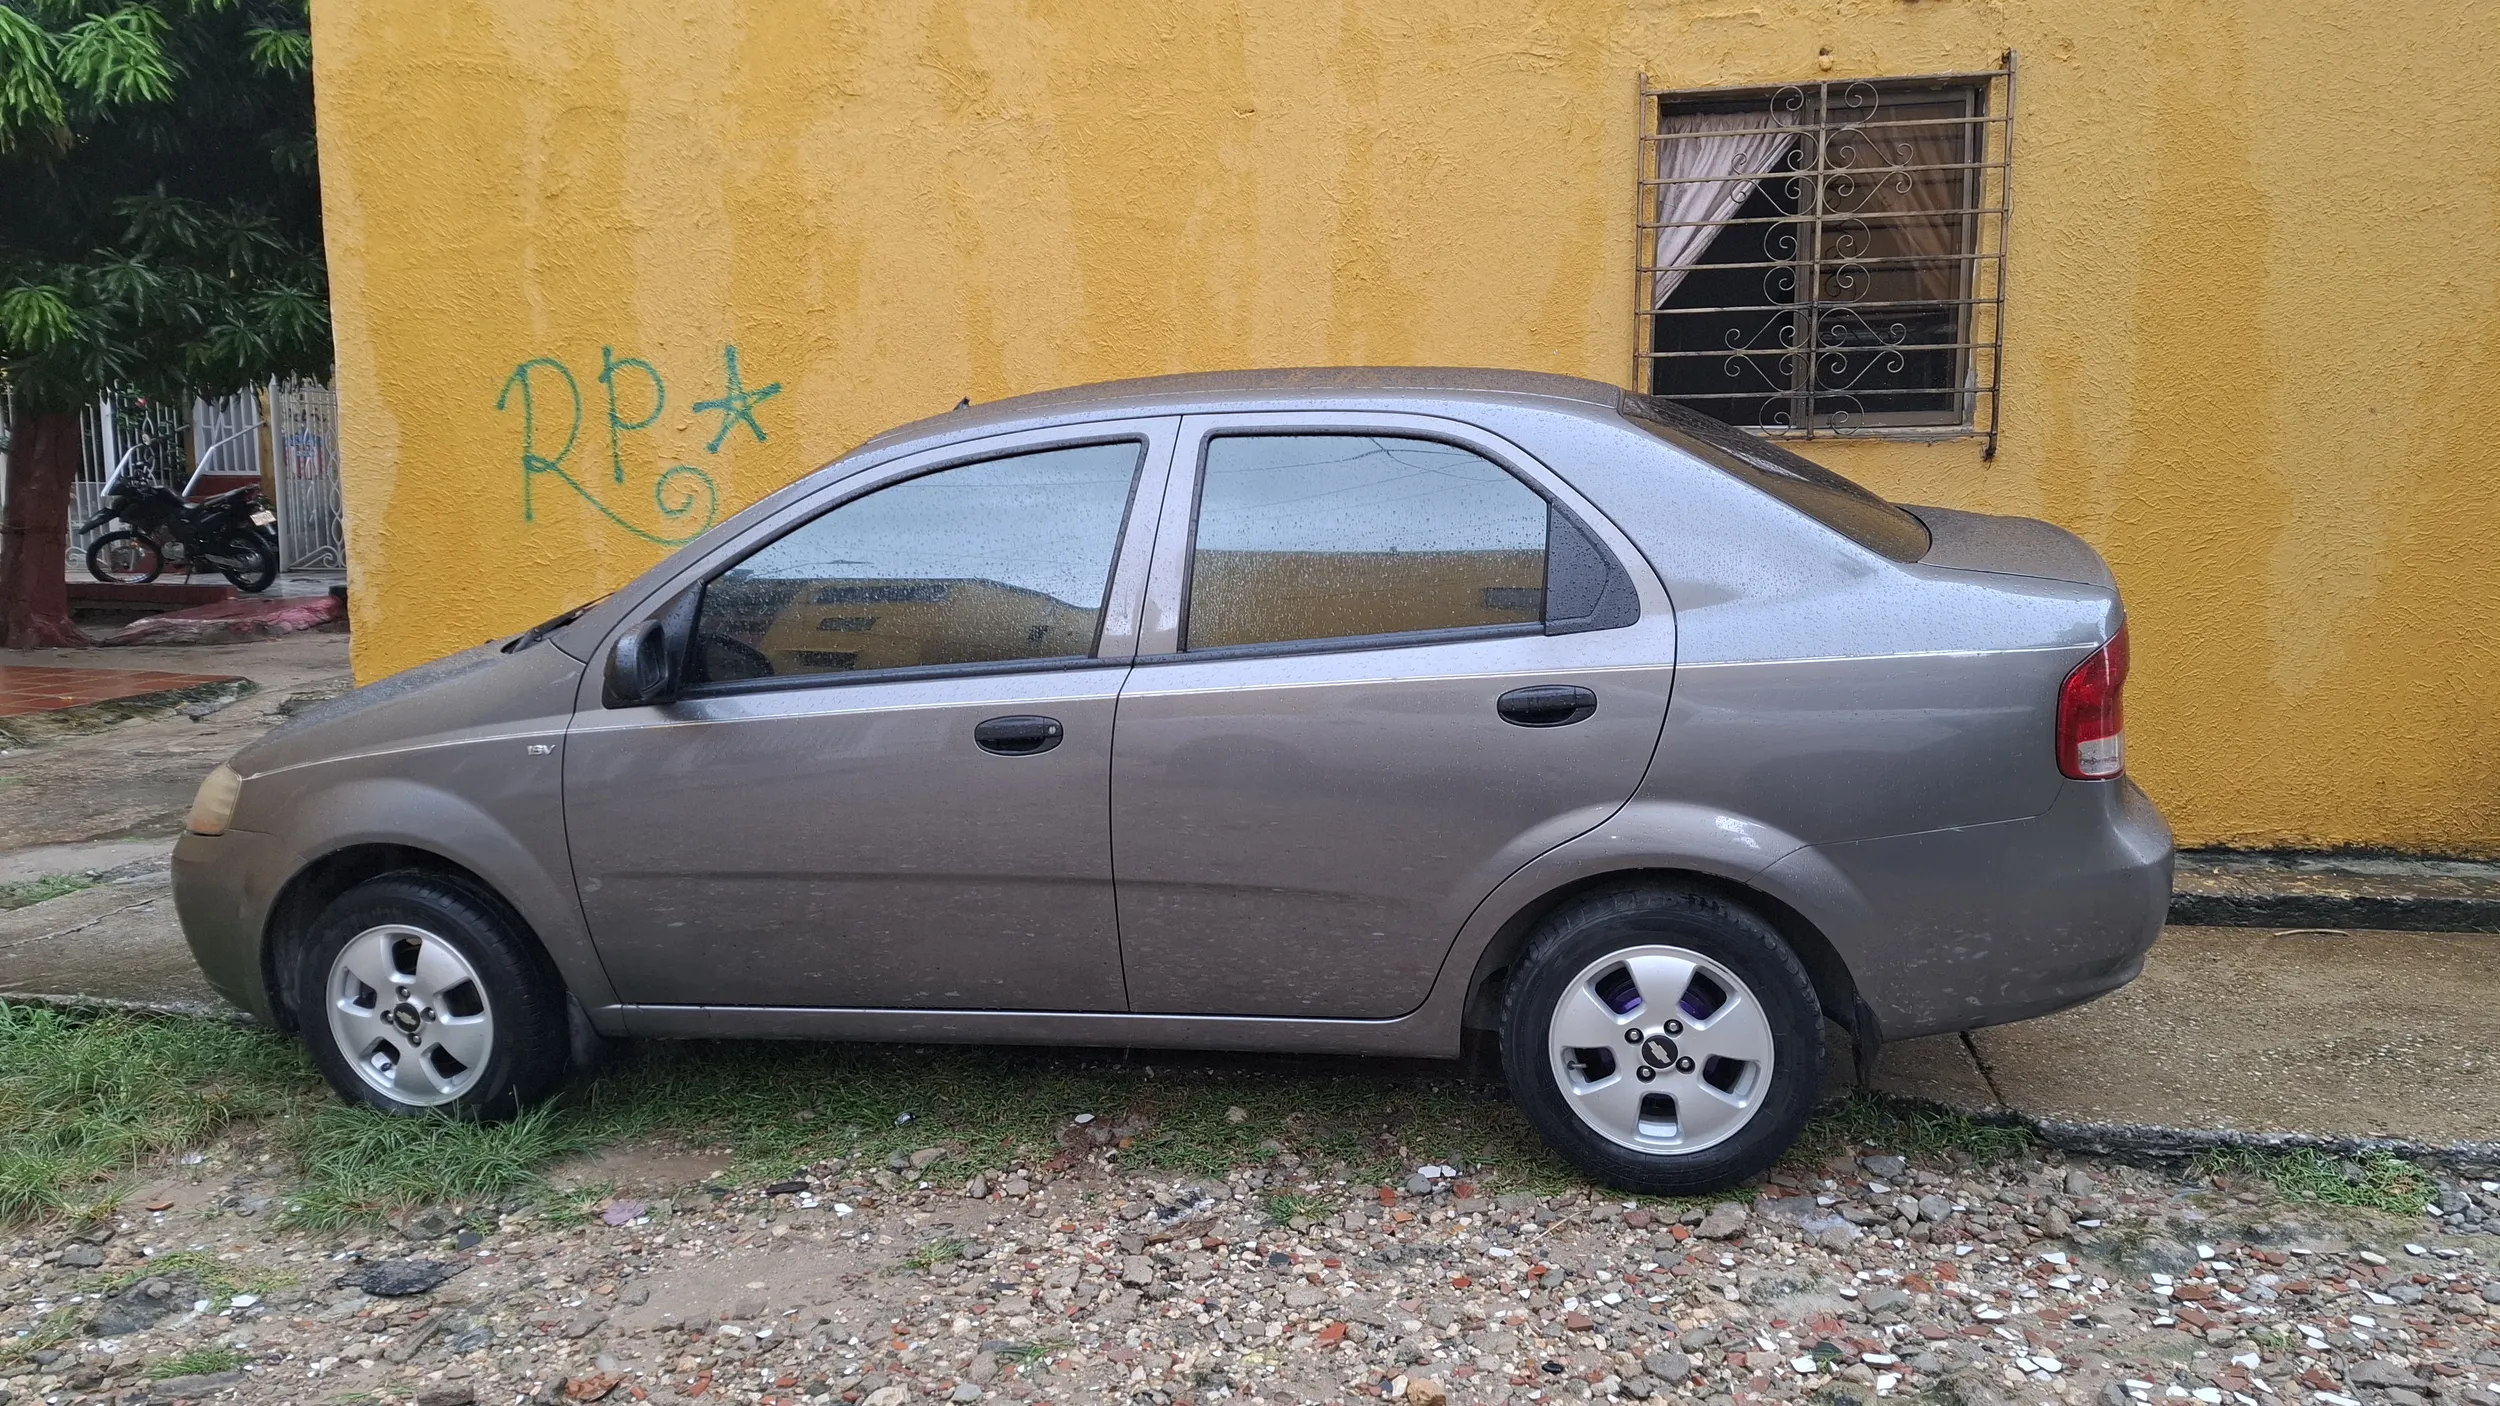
{"type": "Point", "coordinates": [28, 688]}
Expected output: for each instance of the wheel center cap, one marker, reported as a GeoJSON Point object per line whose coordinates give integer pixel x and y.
{"type": "Point", "coordinates": [1658, 1051]}
{"type": "Point", "coordinates": [406, 1018]}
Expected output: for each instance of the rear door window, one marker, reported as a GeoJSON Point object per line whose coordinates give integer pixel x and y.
{"type": "Point", "coordinates": [1834, 501]}
{"type": "Point", "coordinates": [1305, 537]}
{"type": "Point", "coordinates": [1004, 560]}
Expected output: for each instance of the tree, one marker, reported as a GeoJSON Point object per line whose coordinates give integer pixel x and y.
{"type": "Point", "coordinates": [160, 233]}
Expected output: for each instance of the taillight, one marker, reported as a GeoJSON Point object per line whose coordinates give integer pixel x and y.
{"type": "Point", "coordinates": [2091, 716]}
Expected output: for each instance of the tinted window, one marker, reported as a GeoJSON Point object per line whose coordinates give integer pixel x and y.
{"type": "Point", "coordinates": [1799, 482]}
{"type": "Point", "coordinates": [1310, 537]}
{"type": "Point", "coordinates": [1001, 560]}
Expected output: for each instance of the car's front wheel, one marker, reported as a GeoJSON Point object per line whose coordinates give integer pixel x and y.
{"type": "Point", "coordinates": [1665, 1041]}
{"type": "Point", "coordinates": [420, 995]}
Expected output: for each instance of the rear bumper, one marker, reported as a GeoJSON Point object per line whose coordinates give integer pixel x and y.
{"type": "Point", "coordinates": [224, 886]}
{"type": "Point", "coordinates": [1956, 929]}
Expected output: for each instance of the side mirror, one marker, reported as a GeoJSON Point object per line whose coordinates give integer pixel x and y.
{"type": "Point", "coordinates": [638, 668]}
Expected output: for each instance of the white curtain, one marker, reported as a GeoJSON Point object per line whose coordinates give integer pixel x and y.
{"type": "Point", "coordinates": [1716, 159]}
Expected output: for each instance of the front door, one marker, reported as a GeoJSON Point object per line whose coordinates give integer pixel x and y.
{"type": "Point", "coordinates": [1374, 701]}
{"type": "Point", "coordinates": [886, 783]}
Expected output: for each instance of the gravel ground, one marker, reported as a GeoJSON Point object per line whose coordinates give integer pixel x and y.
{"type": "Point", "coordinates": [2040, 1279]}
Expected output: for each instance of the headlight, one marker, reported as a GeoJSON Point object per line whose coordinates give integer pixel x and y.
{"type": "Point", "coordinates": [214, 805]}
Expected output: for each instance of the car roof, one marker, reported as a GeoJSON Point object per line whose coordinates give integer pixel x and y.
{"type": "Point", "coordinates": [1211, 392]}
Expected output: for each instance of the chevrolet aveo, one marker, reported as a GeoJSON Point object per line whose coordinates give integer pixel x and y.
{"type": "Point", "coordinates": [1323, 711]}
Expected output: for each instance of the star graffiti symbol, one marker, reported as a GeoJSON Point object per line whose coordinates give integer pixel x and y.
{"type": "Point", "coordinates": [736, 404]}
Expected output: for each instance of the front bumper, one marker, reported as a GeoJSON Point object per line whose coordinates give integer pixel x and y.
{"type": "Point", "coordinates": [224, 886]}
{"type": "Point", "coordinates": [1985, 924]}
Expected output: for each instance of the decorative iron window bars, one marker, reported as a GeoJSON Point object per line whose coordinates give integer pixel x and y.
{"type": "Point", "coordinates": [1828, 258]}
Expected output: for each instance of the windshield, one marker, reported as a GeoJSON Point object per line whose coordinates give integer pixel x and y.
{"type": "Point", "coordinates": [1799, 482]}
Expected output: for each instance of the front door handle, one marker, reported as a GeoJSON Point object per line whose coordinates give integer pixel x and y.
{"type": "Point", "coordinates": [1547, 705]}
{"type": "Point", "coordinates": [1023, 735]}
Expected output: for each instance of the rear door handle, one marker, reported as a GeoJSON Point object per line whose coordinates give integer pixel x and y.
{"type": "Point", "coordinates": [1547, 705]}
{"type": "Point", "coordinates": [1022, 735]}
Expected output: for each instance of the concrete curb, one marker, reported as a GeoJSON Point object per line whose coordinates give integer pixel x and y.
{"type": "Point", "coordinates": [26, 729]}
{"type": "Point", "coordinates": [2292, 889]}
{"type": "Point", "coordinates": [2381, 912]}
{"type": "Point", "coordinates": [2140, 1140]}
{"type": "Point", "coordinates": [196, 1010]}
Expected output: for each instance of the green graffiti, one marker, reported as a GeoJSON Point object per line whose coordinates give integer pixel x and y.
{"type": "Point", "coordinates": [736, 404]}
{"type": "Point", "coordinates": [608, 367]}
{"type": "Point", "coordinates": [679, 490]}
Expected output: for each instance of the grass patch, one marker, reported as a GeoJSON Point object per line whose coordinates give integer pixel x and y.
{"type": "Point", "coordinates": [198, 1362]}
{"type": "Point", "coordinates": [778, 1108]}
{"type": "Point", "coordinates": [86, 1097]}
{"type": "Point", "coordinates": [2379, 1182]}
{"type": "Point", "coordinates": [1288, 1208]}
{"type": "Point", "coordinates": [26, 893]}
{"type": "Point", "coordinates": [358, 1165]}
{"type": "Point", "coordinates": [51, 1330]}
{"type": "Point", "coordinates": [1909, 1130]}
{"type": "Point", "coordinates": [933, 1253]}
{"type": "Point", "coordinates": [1034, 1351]}
{"type": "Point", "coordinates": [580, 1206]}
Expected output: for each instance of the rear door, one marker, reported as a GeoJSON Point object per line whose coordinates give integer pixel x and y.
{"type": "Point", "coordinates": [888, 785]}
{"type": "Point", "coordinates": [1387, 660]}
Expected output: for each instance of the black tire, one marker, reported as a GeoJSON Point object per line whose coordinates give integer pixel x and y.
{"type": "Point", "coordinates": [101, 551]}
{"type": "Point", "coordinates": [247, 559]}
{"type": "Point", "coordinates": [1587, 930]}
{"type": "Point", "coordinates": [527, 1059]}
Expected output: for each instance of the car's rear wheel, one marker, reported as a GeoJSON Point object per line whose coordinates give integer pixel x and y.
{"type": "Point", "coordinates": [1665, 1041]}
{"type": "Point", "coordinates": [420, 995]}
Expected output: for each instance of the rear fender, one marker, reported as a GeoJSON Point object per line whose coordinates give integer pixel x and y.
{"type": "Point", "coordinates": [1660, 839]}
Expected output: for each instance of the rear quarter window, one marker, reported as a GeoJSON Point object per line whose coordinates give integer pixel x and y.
{"type": "Point", "coordinates": [1820, 494]}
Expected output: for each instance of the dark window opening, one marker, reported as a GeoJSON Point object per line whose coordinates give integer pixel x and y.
{"type": "Point", "coordinates": [1827, 257]}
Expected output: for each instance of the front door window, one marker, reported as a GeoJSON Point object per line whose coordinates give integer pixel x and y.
{"type": "Point", "coordinates": [1001, 561]}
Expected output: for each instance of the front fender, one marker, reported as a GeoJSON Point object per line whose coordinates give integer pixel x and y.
{"type": "Point", "coordinates": [499, 817]}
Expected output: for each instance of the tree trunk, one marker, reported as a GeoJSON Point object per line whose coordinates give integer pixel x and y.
{"type": "Point", "coordinates": [34, 534]}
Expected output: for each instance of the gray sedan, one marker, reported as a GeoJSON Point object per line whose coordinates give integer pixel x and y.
{"type": "Point", "coordinates": [1326, 710]}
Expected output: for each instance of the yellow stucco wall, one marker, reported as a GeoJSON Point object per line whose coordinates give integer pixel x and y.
{"type": "Point", "coordinates": [2252, 353]}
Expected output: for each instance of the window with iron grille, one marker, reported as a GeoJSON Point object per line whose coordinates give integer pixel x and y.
{"type": "Point", "coordinates": [1828, 258]}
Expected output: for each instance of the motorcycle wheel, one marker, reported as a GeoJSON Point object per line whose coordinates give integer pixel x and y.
{"type": "Point", "coordinates": [250, 561]}
{"type": "Point", "coordinates": [125, 558]}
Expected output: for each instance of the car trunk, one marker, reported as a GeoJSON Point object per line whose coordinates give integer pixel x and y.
{"type": "Point", "coordinates": [2010, 546]}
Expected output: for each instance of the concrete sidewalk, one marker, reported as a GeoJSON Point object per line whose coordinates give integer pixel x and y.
{"type": "Point", "coordinates": [2241, 1034]}
{"type": "Point", "coordinates": [114, 943]}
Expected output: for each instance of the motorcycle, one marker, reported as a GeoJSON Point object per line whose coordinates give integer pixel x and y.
{"type": "Point", "coordinates": [229, 533]}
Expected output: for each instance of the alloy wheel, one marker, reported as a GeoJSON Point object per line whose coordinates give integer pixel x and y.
{"type": "Point", "coordinates": [410, 1014]}
{"type": "Point", "coordinates": [1661, 1049]}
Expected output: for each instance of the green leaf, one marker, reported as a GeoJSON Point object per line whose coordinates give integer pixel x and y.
{"type": "Point", "coordinates": [132, 282]}
{"type": "Point", "coordinates": [118, 58]}
{"type": "Point", "coordinates": [29, 94]}
{"type": "Point", "coordinates": [293, 154]}
{"type": "Point", "coordinates": [37, 317]}
{"type": "Point", "coordinates": [287, 51]}
{"type": "Point", "coordinates": [292, 314]}
{"type": "Point", "coordinates": [159, 223]}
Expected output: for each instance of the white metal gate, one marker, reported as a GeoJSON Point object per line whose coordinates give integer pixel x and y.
{"type": "Point", "coordinates": [284, 433]}
{"type": "Point", "coordinates": [304, 445]}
